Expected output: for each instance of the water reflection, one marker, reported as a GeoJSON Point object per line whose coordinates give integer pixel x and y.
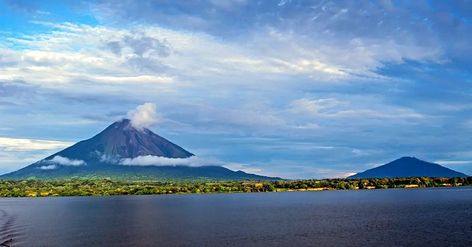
{"type": "Point", "coordinates": [348, 218]}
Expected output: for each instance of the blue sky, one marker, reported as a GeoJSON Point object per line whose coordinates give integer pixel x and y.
{"type": "Point", "coordinates": [297, 89]}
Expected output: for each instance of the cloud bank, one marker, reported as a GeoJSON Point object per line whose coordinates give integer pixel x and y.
{"type": "Point", "coordinates": [66, 161]}
{"type": "Point", "coordinates": [60, 161]}
{"type": "Point", "coordinates": [193, 161]}
{"type": "Point", "coordinates": [150, 160]}
{"type": "Point", "coordinates": [144, 116]}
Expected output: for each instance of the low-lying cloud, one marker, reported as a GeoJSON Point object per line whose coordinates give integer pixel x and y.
{"type": "Point", "coordinates": [66, 161]}
{"type": "Point", "coordinates": [58, 160]}
{"type": "Point", "coordinates": [48, 167]}
{"type": "Point", "coordinates": [150, 160]}
{"type": "Point", "coordinates": [144, 116]}
{"type": "Point", "coordinates": [193, 161]}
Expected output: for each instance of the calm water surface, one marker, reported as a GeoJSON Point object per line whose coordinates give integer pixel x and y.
{"type": "Point", "coordinates": [395, 217]}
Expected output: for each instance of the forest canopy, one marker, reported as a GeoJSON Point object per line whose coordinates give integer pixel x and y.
{"type": "Point", "coordinates": [104, 187]}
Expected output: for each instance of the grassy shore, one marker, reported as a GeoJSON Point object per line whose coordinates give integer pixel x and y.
{"type": "Point", "coordinates": [104, 187]}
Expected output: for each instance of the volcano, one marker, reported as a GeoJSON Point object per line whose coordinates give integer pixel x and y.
{"type": "Point", "coordinates": [103, 156]}
{"type": "Point", "coordinates": [408, 167]}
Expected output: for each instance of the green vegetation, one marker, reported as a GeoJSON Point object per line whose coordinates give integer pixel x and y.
{"type": "Point", "coordinates": [101, 187]}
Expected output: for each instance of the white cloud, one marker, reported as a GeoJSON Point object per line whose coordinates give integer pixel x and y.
{"type": "Point", "coordinates": [314, 106]}
{"type": "Point", "coordinates": [132, 79]}
{"type": "Point", "coordinates": [58, 160]}
{"type": "Point", "coordinates": [368, 109]}
{"type": "Point", "coordinates": [143, 116]}
{"type": "Point", "coordinates": [453, 162]}
{"type": "Point", "coordinates": [22, 144]}
{"type": "Point", "coordinates": [211, 75]}
{"type": "Point", "coordinates": [161, 57]}
{"type": "Point", "coordinates": [64, 161]}
{"type": "Point", "coordinates": [194, 161]}
{"type": "Point", "coordinates": [18, 152]}
{"type": "Point", "coordinates": [150, 160]}
{"type": "Point", "coordinates": [48, 167]}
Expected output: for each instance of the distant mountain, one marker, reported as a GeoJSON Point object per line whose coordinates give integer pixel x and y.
{"type": "Point", "coordinates": [103, 155]}
{"type": "Point", "coordinates": [408, 167]}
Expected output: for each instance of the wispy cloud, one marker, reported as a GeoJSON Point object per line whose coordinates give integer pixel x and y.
{"type": "Point", "coordinates": [454, 162]}
{"type": "Point", "coordinates": [360, 77]}
{"type": "Point", "coordinates": [19, 152]}
{"type": "Point", "coordinates": [155, 55]}
{"type": "Point", "coordinates": [21, 144]}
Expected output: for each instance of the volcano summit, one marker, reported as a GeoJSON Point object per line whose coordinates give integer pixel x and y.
{"type": "Point", "coordinates": [125, 152]}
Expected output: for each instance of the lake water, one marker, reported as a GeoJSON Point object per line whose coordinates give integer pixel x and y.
{"type": "Point", "coordinates": [393, 217]}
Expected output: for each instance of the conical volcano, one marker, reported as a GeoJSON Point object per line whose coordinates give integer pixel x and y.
{"type": "Point", "coordinates": [121, 140]}
{"type": "Point", "coordinates": [408, 167]}
{"type": "Point", "coordinates": [102, 156]}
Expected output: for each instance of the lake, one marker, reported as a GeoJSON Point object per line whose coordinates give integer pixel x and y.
{"type": "Point", "coordinates": [392, 217]}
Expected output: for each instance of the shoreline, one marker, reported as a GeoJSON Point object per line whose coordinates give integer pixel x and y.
{"type": "Point", "coordinates": [233, 192]}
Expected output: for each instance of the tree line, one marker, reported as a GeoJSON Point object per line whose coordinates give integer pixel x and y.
{"type": "Point", "coordinates": [104, 187]}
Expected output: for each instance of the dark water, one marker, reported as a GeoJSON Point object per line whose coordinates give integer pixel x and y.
{"type": "Point", "coordinates": [408, 217]}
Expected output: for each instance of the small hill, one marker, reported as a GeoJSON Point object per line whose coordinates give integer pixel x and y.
{"type": "Point", "coordinates": [408, 167]}
{"type": "Point", "coordinates": [102, 156]}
